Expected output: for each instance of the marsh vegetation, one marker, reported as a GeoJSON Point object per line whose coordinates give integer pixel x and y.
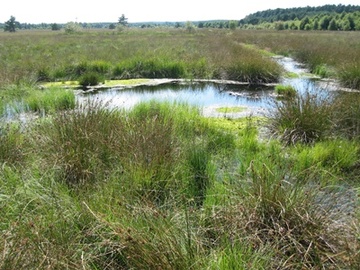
{"type": "Point", "coordinates": [160, 186]}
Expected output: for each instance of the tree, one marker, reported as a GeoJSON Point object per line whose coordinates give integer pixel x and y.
{"type": "Point", "coordinates": [351, 22]}
{"type": "Point", "coordinates": [72, 28]}
{"type": "Point", "coordinates": [232, 25]}
{"type": "Point", "coordinates": [11, 25]}
{"type": "Point", "coordinates": [123, 20]}
{"type": "Point", "coordinates": [324, 23]}
{"type": "Point", "coordinates": [279, 26]}
{"type": "Point", "coordinates": [316, 24]}
{"type": "Point", "coordinates": [304, 22]}
{"type": "Point", "coordinates": [55, 27]}
{"type": "Point", "coordinates": [189, 26]}
{"type": "Point", "coordinates": [332, 25]}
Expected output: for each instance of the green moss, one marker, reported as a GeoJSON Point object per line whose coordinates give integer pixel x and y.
{"type": "Point", "coordinates": [62, 83]}
{"type": "Point", "coordinates": [231, 109]}
{"type": "Point", "coordinates": [125, 82]}
{"type": "Point", "coordinates": [291, 75]}
{"type": "Point", "coordinates": [108, 83]}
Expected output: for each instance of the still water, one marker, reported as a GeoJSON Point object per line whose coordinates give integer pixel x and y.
{"type": "Point", "coordinates": [209, 96]}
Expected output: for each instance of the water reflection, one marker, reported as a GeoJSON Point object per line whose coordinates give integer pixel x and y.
{"type": "Point", "coordinates": [199, 94]}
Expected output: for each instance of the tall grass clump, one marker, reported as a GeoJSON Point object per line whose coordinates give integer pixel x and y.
{"type": "Point", "coordinates": [41, 223]}
{"type": "Point", "coordinates": [143, 146]}
{"type": "Point", "coordinates": [90, 79]}
{"type": "Point", "coordinates": [50, 100]}
{"type": "Point", "coordinates": [347, 115]}
{"type": "Point", "coordinates": [349, 75]}
{"type": "Point", "coordinates": [286, 216]}
{"type": "Point", "coordinates": [285, 91]}
{"type": "Point", "coordinates": [167, 241]}
{"type": "Point", "coordinates": [11, 144]}
{"type": "Point", "coordinates": [200, 174]}
{"type": "Point", "coordinates": [305, 118]}
{"type": "Point", "coordinates": [297, 222]}
{"type": "Point", "coordinates": [152, 151]}
{"type": "Point", "coordinates": [251, 66]}
{"type": "Point", "coordinates": [150, 68]}
{"type": "Point", "coordinates": [335, 156]}
{"type": "Point", "coordinates": [79, 142]}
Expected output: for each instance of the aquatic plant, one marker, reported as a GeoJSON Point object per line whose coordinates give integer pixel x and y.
{"type": "Point", "coordinates": [285, 91]}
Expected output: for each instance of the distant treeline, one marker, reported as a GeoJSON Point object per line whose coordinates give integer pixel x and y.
{"type": "Point", "coordinates": [327, 17]}
{"type": "Point", "coordinates": [110, 25]}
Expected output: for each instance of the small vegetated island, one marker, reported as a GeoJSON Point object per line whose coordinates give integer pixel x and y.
{"type": "Point", "coordinates": [160, 186]}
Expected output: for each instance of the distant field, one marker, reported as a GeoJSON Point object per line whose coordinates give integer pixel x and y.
{"type": "Point", "coordinates": [158, 53]}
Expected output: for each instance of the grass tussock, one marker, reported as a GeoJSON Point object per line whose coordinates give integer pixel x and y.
{"type": "Point", "coordinates": [11, 144]}
{"type": "Point", "coordinates": [285, 91]}
{"type": "Point", "coordinates": [50, 100]}
{"type": "Point", "coordinates": [347, 115]}
{"type": "Point", "coordinates": [305, 118]}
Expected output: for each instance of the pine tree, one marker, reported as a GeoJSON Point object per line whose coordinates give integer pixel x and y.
{"type": "Point", "coordinates": [11, 24]}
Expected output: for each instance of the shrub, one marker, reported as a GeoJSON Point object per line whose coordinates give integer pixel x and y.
{"type": "Point", "coordinates": [72, 28]}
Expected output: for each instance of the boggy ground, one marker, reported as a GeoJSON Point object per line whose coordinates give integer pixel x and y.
{"type": "Point", "coordinates": [162, 187]}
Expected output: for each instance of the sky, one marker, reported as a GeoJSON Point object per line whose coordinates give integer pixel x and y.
{"type": "Point", "coordinates": [63, 11]}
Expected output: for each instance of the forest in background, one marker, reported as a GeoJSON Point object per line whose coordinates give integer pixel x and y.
{"type": "Point", "coordinates": [328, 17]}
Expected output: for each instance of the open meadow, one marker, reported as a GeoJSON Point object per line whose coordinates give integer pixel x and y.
{"type": "Point", "coordinates": [160, 186]}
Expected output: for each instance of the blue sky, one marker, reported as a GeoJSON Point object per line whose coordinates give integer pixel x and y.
{"type": "Point", "coordinates": [49, 11]}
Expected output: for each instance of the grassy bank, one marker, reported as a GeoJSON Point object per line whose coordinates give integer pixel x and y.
{"type": "Point", "coordinates": [160, 186]}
